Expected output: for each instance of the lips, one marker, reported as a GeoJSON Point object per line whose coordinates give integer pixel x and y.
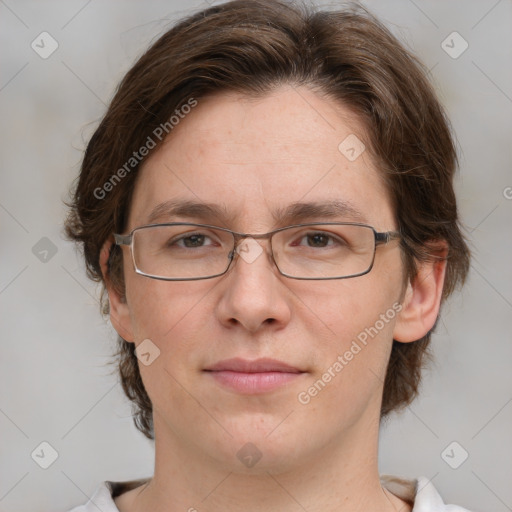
{"type": "Point", "coordinates": [257, 366]}
{"type": "Point", "coordinates": [253, 377]}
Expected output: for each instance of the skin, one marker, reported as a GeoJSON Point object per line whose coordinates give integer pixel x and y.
{"type": "Point", "coordinates": [253, 156]}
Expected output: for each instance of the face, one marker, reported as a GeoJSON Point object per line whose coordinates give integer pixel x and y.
{"type": "Point", "coordinates": [253, 158]}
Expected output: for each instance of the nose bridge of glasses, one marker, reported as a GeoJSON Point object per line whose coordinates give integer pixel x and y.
{"type": "Point", "coordinates": [249, 247]}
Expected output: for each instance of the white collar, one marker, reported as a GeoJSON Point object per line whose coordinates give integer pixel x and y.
{"type": "Point", "coordinates": [421, 492]}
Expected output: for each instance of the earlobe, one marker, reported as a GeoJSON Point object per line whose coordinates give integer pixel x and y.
{"type": "Point", "coordinates": [422, 301]}
{"type": "Point", "coordinates": [119, 311]}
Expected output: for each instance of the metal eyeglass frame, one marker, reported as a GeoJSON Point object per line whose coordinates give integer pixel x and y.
{"type": "Point", "coordinates": [381, 238]}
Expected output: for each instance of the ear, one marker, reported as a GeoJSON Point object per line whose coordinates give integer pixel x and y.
{"type": "Point", "coordinates": [422, 300]}
{"type": "Point", "coordinates": [119, 311]}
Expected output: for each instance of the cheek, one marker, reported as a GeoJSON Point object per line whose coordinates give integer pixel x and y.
{"type": "Point", "coordinates": [350, 379]}
{"type": "Point", "coordinates": [160, 309]}
{"type": "Point", "coordinates": [343, 309]}
{"type": "Point", "coordinates": [359, 316]}
{"type": "Point", "coordinates": [171, 315]}
{"type": "Point", "coordinates": [176, 317]}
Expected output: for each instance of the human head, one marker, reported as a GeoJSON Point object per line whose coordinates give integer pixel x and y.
{"type": "Point", "coordinates": [253, 48]}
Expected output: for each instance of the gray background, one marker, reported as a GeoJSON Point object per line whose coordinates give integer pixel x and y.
{"type": "Point", "coordinates": [55, 384]}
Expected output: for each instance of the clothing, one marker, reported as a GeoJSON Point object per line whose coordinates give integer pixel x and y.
{"type": "Point", "coordinates": [421, 492]}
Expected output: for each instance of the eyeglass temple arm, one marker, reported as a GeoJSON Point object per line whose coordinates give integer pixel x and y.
{"type": "Point", "coordinates": [384, 238]}
{"type": "Point", "coordinates": [122, 239]}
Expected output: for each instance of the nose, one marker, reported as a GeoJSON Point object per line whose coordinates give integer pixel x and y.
{"type": "Point", "coordinates": [253, 292]}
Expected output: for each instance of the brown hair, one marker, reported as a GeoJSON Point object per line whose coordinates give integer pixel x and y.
{"type": "Point", "coordinates": [253, 46]}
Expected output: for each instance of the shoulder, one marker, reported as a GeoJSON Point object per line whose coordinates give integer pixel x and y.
{"type": "Point", "coordinates": [420, 494]}
{"type": "Point", "coordinates": [103, 498]}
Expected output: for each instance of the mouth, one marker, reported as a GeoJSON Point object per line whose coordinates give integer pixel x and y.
{"type": "Point", "coordinates": [253, 377]}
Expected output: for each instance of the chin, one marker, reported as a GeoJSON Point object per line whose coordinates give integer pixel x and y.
{"type": "Point", "coordinates": [251, 451]}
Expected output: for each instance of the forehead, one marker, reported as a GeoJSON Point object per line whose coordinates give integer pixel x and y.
{"type": "Point", "coordinates": [256, 158]}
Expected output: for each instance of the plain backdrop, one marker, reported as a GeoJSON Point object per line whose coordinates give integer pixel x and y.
{"type": "Point", "coordinates": [55, 383]}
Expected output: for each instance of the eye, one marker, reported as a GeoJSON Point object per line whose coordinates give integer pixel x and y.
{"type": "Point", "coordinates": [190, 241]}
{"type": "Point", "coordinates": [318, 239]}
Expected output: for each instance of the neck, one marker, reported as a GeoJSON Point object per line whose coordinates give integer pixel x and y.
{"type": "Point", "coordinates": [342, 476]}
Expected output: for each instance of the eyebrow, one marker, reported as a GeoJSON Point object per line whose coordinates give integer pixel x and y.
{"type": "Point", "coordinates": [307, 211]}
{"type": "Point", "coordinates": [189, 209]}
{"type": "Point", "coordinates": [293, 213]}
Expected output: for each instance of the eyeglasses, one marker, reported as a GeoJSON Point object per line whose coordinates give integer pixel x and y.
{"type": "Point", "coordinates": [184, 252]}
